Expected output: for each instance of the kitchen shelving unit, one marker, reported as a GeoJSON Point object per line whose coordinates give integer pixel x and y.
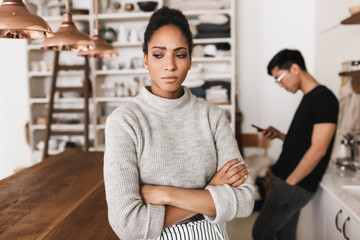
{"type": "Point", "coordinates": [113, 77]}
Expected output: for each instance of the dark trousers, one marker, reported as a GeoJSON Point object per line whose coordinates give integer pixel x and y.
{"type": "Point", "coordinates": [279, 216]}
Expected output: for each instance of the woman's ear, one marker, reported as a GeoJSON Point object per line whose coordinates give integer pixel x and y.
{"type": "Point", "coordinates": [145, 60]}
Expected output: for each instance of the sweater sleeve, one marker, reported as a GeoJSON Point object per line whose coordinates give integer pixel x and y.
{"type": "Point", "coordinates": [128, 216]}
{"type": "Point", "coordinates": [230, 202]}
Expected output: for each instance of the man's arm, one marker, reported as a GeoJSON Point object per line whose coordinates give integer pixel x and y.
{"type": "Point", "coordinates": [320, 140]}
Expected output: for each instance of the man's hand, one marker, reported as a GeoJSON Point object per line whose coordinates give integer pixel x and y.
{"type": "Point", "coordinates": [232, 176]}
{"type": "Point", "coordinates": [273, 133]}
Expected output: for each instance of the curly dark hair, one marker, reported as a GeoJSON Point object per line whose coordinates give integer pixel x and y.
{"type": "Point", "coordinates": [167, 16]}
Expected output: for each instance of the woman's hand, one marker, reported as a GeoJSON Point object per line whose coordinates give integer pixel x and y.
{"type": "Point", "coordinates": [232, 176]}
{"type": "Point", "coordinates": [273, 133]}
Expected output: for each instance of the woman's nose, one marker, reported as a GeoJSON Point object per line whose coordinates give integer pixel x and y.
{"type": "Point", "coordinates": [170, 64]}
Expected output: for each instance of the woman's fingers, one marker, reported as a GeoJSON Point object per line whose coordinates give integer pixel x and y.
{"type": "Point", "coordinates": [236, 169]}
{"type": "Point", "coordinates": [231, 173]}
{"type": "Point", "coordinates": [238, 177]}
{"type": "Point", "coordinates": [229, 164]}
{"type": "Point", "coordinates": [239, 182]}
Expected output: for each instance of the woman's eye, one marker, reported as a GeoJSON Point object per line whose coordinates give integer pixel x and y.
{"type": "Point", "coordinates": [182, 55]}
{"type": "Point", "coordinates": [157, 55]}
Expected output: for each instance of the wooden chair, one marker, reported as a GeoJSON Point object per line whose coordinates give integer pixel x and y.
{"type": "Point", "coordinates": [255, 140]}
{"type": "Point", "coordinates": [260, 170]}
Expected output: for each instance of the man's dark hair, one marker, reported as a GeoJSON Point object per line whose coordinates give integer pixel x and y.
{"type": "Point", "coordinates": [167, 16]}
{"type": "Point", "coordinates": [284, 59]}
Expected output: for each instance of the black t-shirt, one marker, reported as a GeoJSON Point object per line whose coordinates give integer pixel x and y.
{"type": "Point", "coordinates": [317, 106]}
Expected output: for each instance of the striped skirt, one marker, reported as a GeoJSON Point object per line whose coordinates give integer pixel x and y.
{"type": "Point", "coordinates": [198, 230]}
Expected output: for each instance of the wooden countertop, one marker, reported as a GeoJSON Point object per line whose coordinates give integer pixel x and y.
{"type": "Point", "coordinates": [62, 197]}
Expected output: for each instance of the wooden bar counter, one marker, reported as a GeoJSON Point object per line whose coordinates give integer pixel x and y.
{"type": "Point", "coordinates": [61, 198]}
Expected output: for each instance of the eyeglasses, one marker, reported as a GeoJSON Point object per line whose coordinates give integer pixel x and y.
{"type": "Point", "coordinates": [278, 80]}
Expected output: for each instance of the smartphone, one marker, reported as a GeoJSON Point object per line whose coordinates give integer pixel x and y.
{"type": "Point", "coordinates": [258, 128]}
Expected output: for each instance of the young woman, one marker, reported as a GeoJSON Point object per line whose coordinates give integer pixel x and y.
{"type": "Point", "coordinates": [172, 166]}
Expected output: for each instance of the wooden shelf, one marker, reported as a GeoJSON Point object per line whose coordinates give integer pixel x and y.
{"type": "Point", "coordinates": [350, 74]}
{"type": "Point", "coordinates": [354, 19]}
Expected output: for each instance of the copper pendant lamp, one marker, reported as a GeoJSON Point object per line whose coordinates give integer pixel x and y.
{"type": "Point", "coordinates": [17, 22]}
{"type": "Point", "coordinates": [68, 37]}
{"type": "Point", "coordinates": [102, 49]}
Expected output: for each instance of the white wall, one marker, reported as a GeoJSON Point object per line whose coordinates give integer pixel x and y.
{"type": "Point", "coordinates": [264, 28]}
{"type": "Point", "coordinates": [14, 108]}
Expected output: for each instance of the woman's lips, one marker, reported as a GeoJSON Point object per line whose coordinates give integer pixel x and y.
{"type": "Point", "coordinates": [169, 79]}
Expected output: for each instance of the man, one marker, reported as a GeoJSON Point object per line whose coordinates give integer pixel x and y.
{"type": "Point", "coordinates": [306, 148]}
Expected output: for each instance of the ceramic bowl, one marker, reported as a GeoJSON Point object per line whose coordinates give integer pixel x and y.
{"type": "Point", "coordinates": [147, 6]}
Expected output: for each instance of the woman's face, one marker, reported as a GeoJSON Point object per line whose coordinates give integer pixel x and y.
{"type": "Point", "coordinates": [168, 61]}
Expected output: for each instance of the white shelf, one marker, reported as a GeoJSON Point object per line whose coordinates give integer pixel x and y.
{"type": "Point", "coordinates": [39, 74]}
{"type": "Point", "coordinates": [217, 76]}
{"type": "Point", "coordinates": [112, 99]}
{"type": "Point", "coordinates": [62, 127]}
{"type": "Point", "coordinates": [60, 73]}
{"type": "Point", "coordinates": [211, 40]}
{"type": "Point", "coordinates": [121, 72]}
{"type": "Point", "coordinates": [194, 13]}
{"type": "Point", "coordinates": [35, 47]}
{"type": "Point", "coordinates": [212, 59]}
{"type": "Point", "coordinates": [58, 100]}
{"type": "Point", "coordinates": [60, 18]}
{"type": "Point", "coordinates": [100, 127]}
{"type": "Point", "coordinates": [128, 44]}
{"type": "Point", "coordinates": [224, 106]}
{"type": "Point", "coordinates": [125, 16]}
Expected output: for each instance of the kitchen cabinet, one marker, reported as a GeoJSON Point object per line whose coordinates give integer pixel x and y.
{"type": "Point", "coordinates": [339, 223]}
{"type": "Point", "coordinates": [115, 80]}
{"type": "Point", "coordinates": [332, 214]}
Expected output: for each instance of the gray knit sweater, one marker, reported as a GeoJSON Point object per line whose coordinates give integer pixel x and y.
{"type": "Point", "coordinates": [173, 142]}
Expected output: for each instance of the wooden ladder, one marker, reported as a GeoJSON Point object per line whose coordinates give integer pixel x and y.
{"type": "Point", "coordinates": [51, 110]}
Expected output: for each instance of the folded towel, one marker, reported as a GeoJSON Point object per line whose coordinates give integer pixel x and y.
{"type": "Point", "coordinates": [204, 5]}
{"type": "Point", "coordinates": [213, 18]}
{"type": "Point", "coordinates": [192, 83]}
{"type": "Point", "coordinates": [216, 95]}
{"type": "Point", "coordinates": [212, 35]}
{"type": "Point", "coordinates": [223, 84]}
{"type": "Point", "coordinates": [220, 28]}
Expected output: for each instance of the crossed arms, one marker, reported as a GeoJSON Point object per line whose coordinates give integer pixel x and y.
{"type": "Point", "coordinates": [178, 206]}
